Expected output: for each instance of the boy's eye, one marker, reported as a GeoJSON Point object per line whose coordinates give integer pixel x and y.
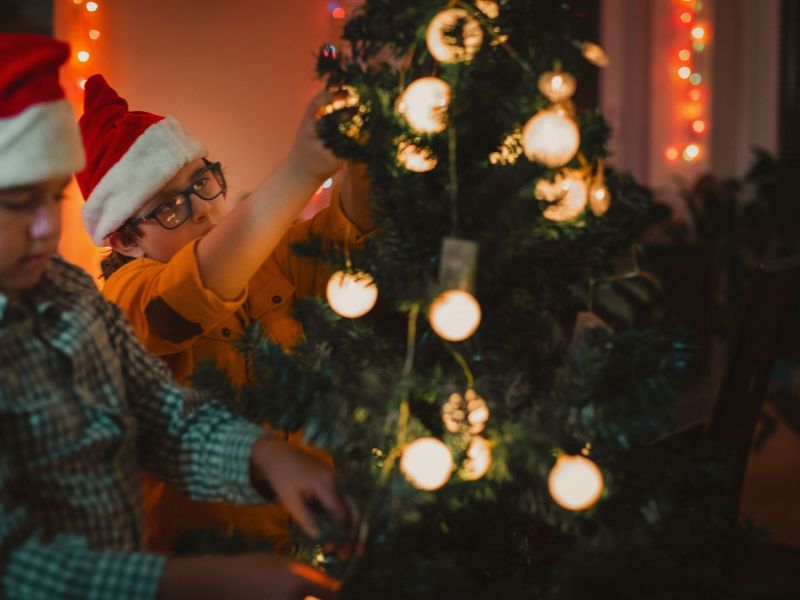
{"type": "Point", "coordinates": [170, 205]}
{"type": "Point", "coordinates": [200, 183]}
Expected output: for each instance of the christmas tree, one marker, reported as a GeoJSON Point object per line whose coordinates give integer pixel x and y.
{"type": "Point", "coordinates": [498, 435]}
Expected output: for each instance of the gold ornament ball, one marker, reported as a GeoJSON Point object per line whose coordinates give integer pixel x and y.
{"type": "Point", "coordinates": [424, 104]}
{"type": "Point", "coordinates": [351, 295]}
{"type": "Point", "coordinates": [575, 482]}
{"type": "Point", "coordinates": [414, 158]}
{"type": "Point", "coordinates": [568, 193]}
{"type": "Point", "coordinates": [595, 54]}
{"type": "Point", "coordinates": [599, 199]}
{"type": "Point", "coordinates": [455, 315]}
{"type": "Point", "coordinates": [479, 459]}
{"type": "Point", "coordinates": [551, 137]}
{"type": "Point", "coordinates": [557, 86]}
{"type": "Point", "coordinates": [488, 7]}
{"type": "Point", "coordinates": [446, 47]}
{"type": "Point", "coordinates": [427, 463]}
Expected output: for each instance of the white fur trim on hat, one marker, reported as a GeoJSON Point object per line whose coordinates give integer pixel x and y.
{"type": "Point", "coordinates": [152, 160]}
{"type": "Point", "coordinates": [41, 142]}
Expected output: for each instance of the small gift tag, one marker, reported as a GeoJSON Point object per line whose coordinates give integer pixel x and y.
{"type": "Point", "coordinates": [458, 264]}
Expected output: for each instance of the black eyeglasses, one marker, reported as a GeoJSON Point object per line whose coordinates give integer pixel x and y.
{"type": "Point", "coordinates": [176, 210]}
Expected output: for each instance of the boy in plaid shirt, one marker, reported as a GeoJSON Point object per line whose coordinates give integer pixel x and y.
{"type": "Point", "coordinates": [83, 406]}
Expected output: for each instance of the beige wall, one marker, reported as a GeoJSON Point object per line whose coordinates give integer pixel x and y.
{"type": "Point", "coordinates": [236, 73]}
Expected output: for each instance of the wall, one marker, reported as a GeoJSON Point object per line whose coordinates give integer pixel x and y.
{"type": "Point", "coordinates": [237, 74]}
{"type": "Point", "coordinates": [639, 95]}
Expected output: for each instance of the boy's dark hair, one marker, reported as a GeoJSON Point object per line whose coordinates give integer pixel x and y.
{"type": "Point", "coordinates": [128, 234]}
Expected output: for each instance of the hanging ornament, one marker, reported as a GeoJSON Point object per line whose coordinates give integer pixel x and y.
{"type": "Point", "coordinates": [424, 104]}
{"type": "Point", "coordinates": [414, 158]}
{"type": "Point", "coordinates": [455, 315]}
{"type": "Point", "coordinates": [567, 195]}
{"type": "Point", "coordinates": [594, 54]}
{"type": "Point", "coordinates": [454, 36]}
{"type": "Point", "coordinates": [351, 295]}
{"type": "Point", "coordinates": [557, 86]}
{"type": "Point", "coordinates": [509, 150]}
{"type": "Point", "coordinates": [427, 463]}
{"type": "Point", "coordinates": [599, 199]}
{"type": "Point", "coordinates": [479, 459]}
{"type": "Point", "coordinates": [575, 482]}
{"type": "Point", "coordinates": [468, 413]}
{"type": "Point", "coordinates": [551, 137]}
{"type": "Point", "coordinates": [489, 8]}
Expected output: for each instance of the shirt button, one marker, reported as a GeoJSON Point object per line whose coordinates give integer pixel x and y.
{"type": "Point", "coordinates": [226, 332]}
{"type": "Point", "coordinates": [276, 299]}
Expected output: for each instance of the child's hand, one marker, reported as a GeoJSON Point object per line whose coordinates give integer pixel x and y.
{"type": "Point", "coordinates": [308, 155]}
{"type": "Point", "coordinates": [244, 577]}
{"type": "Point", "coordinates": [299, 480]}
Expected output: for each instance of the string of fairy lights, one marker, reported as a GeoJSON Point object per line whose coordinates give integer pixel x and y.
{"type": "Point", "coordinates": [689, 19]}
{"type": "Point", "coordinates": [86, 36]}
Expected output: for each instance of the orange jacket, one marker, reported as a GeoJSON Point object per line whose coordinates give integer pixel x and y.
{"type": "Point", "coordinates": [183, 322]}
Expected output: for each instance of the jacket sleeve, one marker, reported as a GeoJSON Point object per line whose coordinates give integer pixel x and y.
{"type": "Point", "coordinates": [167, 303]}
{"type": "Point", "coordinates": [65, 567]}
{"type": "Point", "coordinates": [183, 438]}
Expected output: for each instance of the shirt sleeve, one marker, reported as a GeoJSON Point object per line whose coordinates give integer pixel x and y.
{"type": "Point", "coordinates": [65, 567]}
{"type": "Point", "coordinates": [184, 438]}
{"type": "Point", "coordinates": [335, 230]}
{"type": "Point", "coordinates": [168, 303]}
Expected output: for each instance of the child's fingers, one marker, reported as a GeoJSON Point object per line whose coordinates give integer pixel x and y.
{"type": "Point", "coordinates": [329, 497]}
{"type": "Point", "coordinates": [301, 513]}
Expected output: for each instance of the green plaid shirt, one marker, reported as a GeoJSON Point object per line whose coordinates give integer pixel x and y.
{"type": "Point", "coordinates": [82, 407]}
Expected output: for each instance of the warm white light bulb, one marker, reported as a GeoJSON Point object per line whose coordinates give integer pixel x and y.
{"type": "Point", "coordinates": [427, 463]}
{"type": "Point", "coordinates": [351, 294]}
{"type": "Point", "coordinates": [479, 459]}
{"type": "Point", "coordinates": [424, 104]}
{"type": "Point", "coordinates": [557, 86]}
{"type": "Point", "coordinates": [455, 315]}
{"type": "Point", "coordinates": [599, 199]}
{"type": "Point", "coordinates": [575, 482]}
{"type": "Point", "coordinates": [551, 137]}
{"type": "Point", "coordinates": [568, 196]}
{"type": "Point", "coordinates": [414, 158]}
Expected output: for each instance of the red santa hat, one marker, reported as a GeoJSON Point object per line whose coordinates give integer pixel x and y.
{"type": "Point", "coordinates": [39, 138]}
{"type": "Point", "coordinates": [130, 156]}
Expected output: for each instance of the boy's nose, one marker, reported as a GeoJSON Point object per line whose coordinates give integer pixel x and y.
{"type": "Point", "coordinates": [200, 208]}
{"type": "Point", "coordinates": [46, 221]}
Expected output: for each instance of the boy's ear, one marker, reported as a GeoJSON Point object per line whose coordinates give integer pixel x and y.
{"type": "Point", "coordinates": [134, 250]}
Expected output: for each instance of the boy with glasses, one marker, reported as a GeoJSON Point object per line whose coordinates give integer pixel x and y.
{"type": "Point", "coordinates": [83, 405]}
{"type": "Point", "coordinates": [191, 273]}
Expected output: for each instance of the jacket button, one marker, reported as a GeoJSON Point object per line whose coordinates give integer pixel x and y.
{"type": "Point", "coordinates": [226, 332]}
{"type": "Point", "coordinates": [276, 299]}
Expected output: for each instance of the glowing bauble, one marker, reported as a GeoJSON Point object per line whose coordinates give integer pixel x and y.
{"type": "Point", "coordinates": [575, 482]}
{"type": "Point", "coordinates": [414, 158]}
{"type": "Point", "coordinates": [427, 463]}
{"type": "Point", "coordinates": [351, 294]}
{"type": "Point", "coordinates": [424, 104]}
{"type": "Point", "coordinates": [557, 86]}
{"type": "Point", "coordinates": [455, 315]}
{"type": "Point", "coordinates": [479, 459]}
{"type": "Point", "coordinates": [454, 36]}
{"type": "Point", "coordinates": [488, 7]}
{"type": "Point", "coordinates": [599, 199]}
{"type": "Point", "coordinates": [468, 413]}
{"type": "Point", "coordinates": [568, 196]}
{"type": "Point", "coordinates": [551, 137]}
{"type": "Point", "coordinates": [594, 54]}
